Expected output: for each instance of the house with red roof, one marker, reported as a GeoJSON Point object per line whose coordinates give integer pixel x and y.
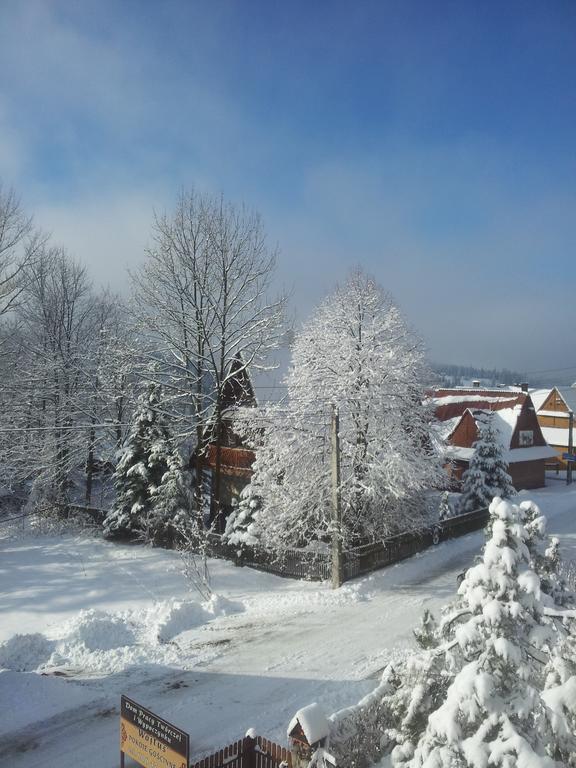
{"type": "Point", "coordinates": [458, 414]}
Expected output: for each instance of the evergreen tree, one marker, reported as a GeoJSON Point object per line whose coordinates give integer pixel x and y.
{"type": "Point", "coordinates": [241, 528]}
{"type": "Point", "coordinates": [492, 712]}
{"type": "Point", "coordinates": [171, 502]}
{"type": "Point", "coordinates": [487, 475]}
{"type": "Point", "coordinates": [143, 463]}
{"type": "Point", "coordinates": [496, 683]}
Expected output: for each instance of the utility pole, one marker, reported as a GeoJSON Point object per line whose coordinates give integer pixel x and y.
{"type": "Point", "coordinates": [336, 507]}
{"type": "Point", "coordinates": [570, 447]}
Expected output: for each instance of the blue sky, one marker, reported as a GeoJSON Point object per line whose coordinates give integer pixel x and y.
{"type": "Point", "coordinates": [431, 142]}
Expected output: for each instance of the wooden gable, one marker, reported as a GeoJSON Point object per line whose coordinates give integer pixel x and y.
{"type": "Point", "coordinates": [555, 402]}
{"type": "Point", "coordinates": [527, 421]}
{"type": "Point", "coordinates": [466, 432]}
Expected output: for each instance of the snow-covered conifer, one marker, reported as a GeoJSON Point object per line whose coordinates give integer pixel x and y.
{"type": "Point", "coordinates": [498, 640]}
{"type": "Point", "coordinates": [487, 475]}
{"type": "Point", "coordinates": [143, 463]}
{"type": "Point", "coordinates": [241, 527]}
{"type": "Point", "coordinates": [171, 502]}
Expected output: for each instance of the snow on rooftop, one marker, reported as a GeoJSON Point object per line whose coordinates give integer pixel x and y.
{"type": "Point", "coordinates": [451, 399]}
{"type": "Point", "coordinates": [539, 396]}
{"type": "Point", "coordinates": [445, 428]}
{"type": "Point", "coordinates": [569, 396]}
{"type": "Point", "coordinates": [512, 456]}
{"type": "Point", "coordinates": [556, 436]}
{"type": "Point", "coordinates": [504, 422]}
{"type": "Point", "coordinates": [313, 722]}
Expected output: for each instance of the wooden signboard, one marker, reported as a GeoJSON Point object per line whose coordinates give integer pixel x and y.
{"type": "Point", "coordinates": [149, 740]}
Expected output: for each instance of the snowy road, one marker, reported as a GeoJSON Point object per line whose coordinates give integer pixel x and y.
{"type": "Point", "coordinates": [294, 644]}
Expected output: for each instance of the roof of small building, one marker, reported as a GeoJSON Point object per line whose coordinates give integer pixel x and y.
{"type": "Point", "coordinates": [313, 722]}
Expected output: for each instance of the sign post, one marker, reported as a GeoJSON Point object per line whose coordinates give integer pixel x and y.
{"type": "Point", "coordinates": [150, 740]}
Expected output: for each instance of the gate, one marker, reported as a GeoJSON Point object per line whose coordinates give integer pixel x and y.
{"type": "Point", "coordinates": [248, 753]}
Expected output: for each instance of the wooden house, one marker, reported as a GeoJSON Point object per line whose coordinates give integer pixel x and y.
{"type": "Point", "coordinates": [553, 409]}
{"type": "Point", "coordinates": [235, 460]}
{"type": "Point", "coordinates": [459, 413]}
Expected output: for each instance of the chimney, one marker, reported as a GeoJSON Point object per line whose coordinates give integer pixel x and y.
{"type": "Point", "coordinates": [476, 384]}
{"type": "Point", "coordinates": [524, 386]}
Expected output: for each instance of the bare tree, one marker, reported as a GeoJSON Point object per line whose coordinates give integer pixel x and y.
{"type": "Point", "coordinates": [20, 244]}
{"type": "Point", "coordinates": [203, 298]}
{"type": "Point", "coordinates": [56, 313]}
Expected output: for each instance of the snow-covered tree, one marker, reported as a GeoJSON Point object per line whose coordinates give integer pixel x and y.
{"type": "Point", "coordinates": [148, 462]}
{"type": "Point", "coordinates": [203, 296]}
{"type": "Point", "coordinates": [171, 502]}
{"type": "Point", "coordinates": [495, 683]}
{"type": "Point", "coordinates": [499, 638]}
{"type": "Point", "coordinates": [241, 526]}
{"type": "Point", "coordinates": [356, 353]}
{"type": "Point", "coordinates": [487, 475]}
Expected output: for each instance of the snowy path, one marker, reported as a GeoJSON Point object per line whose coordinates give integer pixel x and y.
{"type": "Point", "coordinates": [294, 644]}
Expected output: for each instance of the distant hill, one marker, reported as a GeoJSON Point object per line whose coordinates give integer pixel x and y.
{"type": "Point", "coordinates": [462, 375]}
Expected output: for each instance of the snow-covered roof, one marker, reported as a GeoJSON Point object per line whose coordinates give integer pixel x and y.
{"type": "Point", "coordinates": [555, 414]}
{"type": "Point", "coordinates": [539, 396]}
{"type": "Point", "coordinates": [512, 456]}
{"type": "Point", "coordinates": [313, 722]}
{"type": "Point", "coordinates": [556, 435]}
{"type": "Point", "coordinates": [569, 396]}
{"type": "Point", "coordinates": [451, 399]}
{"type": "Point", "coordinates": [504, 422]}
{"type": "Point", "coordinates": [445, 428]}
{"type": "Point", "coordinates": [449, 403]}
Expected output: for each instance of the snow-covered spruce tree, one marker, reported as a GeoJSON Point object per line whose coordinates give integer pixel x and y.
{"type": "Point", "coordinates": [356, 353]}
{"type": "Point", "coordinates": [145, 460]}
{"type": "Point", "coordinates": [545, 558]}
{"type": "Point", "coordinates": [493, 684]}
{"type": "Point", "coordinates": [498, 640]}
{"type": "Point", "coordinates": [487, 476]}
{"type": "Point", "coordinates": [241, 527]}
{"type": "Point", "coordinates": [172, 501]}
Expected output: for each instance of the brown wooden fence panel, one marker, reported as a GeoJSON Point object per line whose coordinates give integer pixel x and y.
{"type": "Point", "coordinates": [248, 753]}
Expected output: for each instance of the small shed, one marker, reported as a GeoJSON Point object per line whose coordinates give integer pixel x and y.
{"type": "Point", "coordinates": [307, 731]}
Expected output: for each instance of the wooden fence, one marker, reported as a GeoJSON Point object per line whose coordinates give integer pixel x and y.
{"type": "Point", "coordinates": [248, 753]}
{"type": "Point", "coordinates": [316, 566]}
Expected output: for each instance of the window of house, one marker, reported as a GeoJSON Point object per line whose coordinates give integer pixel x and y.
{"type": "Point", "coordinates": [526, 438]}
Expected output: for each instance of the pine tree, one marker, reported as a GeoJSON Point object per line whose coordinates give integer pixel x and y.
{"type": "Point", "coordinates": [496, 683]}
{"type": "Point", "coordinates": [492, 712]}
{"type": "Point", "coordinates": [171, 502]}
{"type": "Point", "coordinates": [241, 526]}
{"type": "Point", "coordinates": [487, 475]}
{"type": "Point", "coordinates": [143, 463]}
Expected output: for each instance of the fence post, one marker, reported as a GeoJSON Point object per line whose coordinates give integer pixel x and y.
{"type": "Point", "coordinates": [249, 750]}
{"type": "Point", "coordinates": [336, 509]}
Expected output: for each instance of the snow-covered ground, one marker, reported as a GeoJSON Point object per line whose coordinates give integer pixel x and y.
{"type": "Point", "coordinates": [84, 620]}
